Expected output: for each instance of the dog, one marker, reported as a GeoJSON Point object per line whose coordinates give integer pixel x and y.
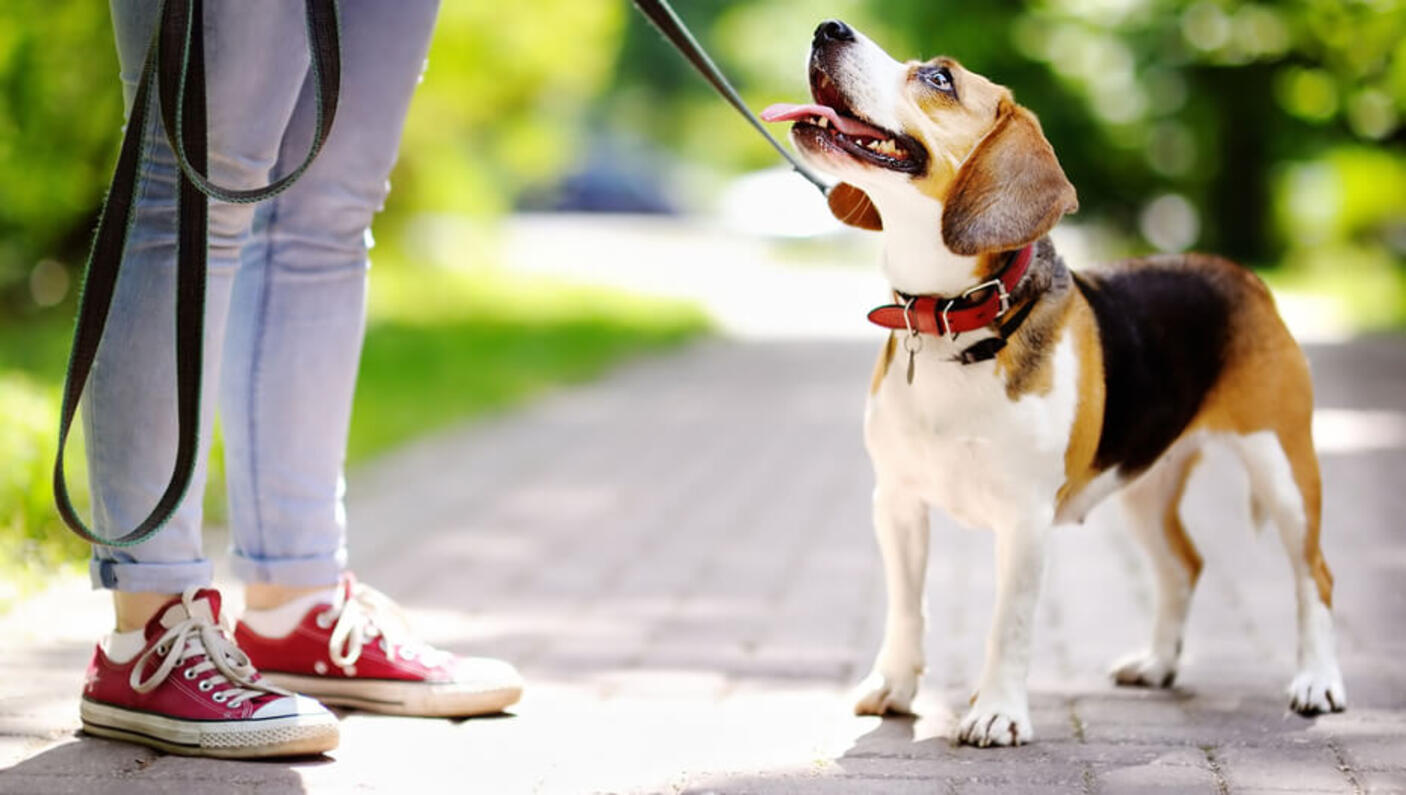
{"type": "Point", "coordinates": [1016, 394]}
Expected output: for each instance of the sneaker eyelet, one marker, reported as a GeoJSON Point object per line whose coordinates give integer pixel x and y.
{"type": "Point", "coordinates": [324, 621]}
{"type": "Point", "coordinates": [219, 698]}
{"type": "Point", "coordinates": [189, 673]}
{"type": "Point", "coordinates": [205, 685]}
{"type": "Point", "coordinates": [162, 649]}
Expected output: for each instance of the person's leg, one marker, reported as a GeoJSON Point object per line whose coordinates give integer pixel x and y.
{"type": "Point", "coordinates": [295, 332]}
{"type": "Point", "coordinates": [256, 60]}
{"type": "Point", "coordinates": [171, 676]}
{"type": "Point", "coordinates": [293, 348]}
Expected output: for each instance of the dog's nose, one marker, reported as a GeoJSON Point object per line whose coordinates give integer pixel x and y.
{"type": "Point", "coordinates": [833, 30]}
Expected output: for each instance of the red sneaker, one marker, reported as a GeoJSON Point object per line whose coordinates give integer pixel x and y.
{"type": "Point", "coordinates": [357, 652]}
{"type": "Point", "coordinates": [192, 691]}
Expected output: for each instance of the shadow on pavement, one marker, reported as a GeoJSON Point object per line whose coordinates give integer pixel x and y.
{"type": "Point", "coordinates": [92, 764]}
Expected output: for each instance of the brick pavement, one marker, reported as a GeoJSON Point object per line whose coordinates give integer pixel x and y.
{"type": "Point", "coordinates": [680, 560]}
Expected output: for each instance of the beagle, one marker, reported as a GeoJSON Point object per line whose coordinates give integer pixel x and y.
{"type": "Point", "coordinates": [1016, 394]}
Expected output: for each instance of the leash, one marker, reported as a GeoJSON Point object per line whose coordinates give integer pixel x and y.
{"type": "Point", "coordinates": [662, 15]}
{"type": "Point", "coordinates": [175, 63]}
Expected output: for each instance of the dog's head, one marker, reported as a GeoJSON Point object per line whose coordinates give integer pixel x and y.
{"type": "Point", "coordinates": [927, 132]}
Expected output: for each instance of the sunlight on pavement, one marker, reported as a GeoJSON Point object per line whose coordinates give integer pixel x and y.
{"type": "Point", "coordinates": [742, 282]}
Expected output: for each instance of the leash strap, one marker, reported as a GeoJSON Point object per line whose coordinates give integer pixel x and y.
{"type": "Point", "coordinates": [175, 62]}
{"type": "Point", "coordinates": [662, 15]}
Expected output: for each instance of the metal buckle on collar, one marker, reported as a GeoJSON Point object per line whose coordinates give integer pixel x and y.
{"type": "Point", "coordinates": [1000, 291]}
{"type": "Point", "coordinates": [997, 284]}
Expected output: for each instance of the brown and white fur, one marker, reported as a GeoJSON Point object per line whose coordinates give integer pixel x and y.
{"type": "Point", "coordinates": [1041, 433]}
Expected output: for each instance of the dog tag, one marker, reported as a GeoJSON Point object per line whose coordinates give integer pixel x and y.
{"type": "Point", "coordinates": [912, 344]}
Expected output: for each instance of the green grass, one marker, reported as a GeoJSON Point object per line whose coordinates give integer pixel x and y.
{"type": "Point", "coordinates": [441, 346]}
{"type": "Point", "coordinates": [456, 344]}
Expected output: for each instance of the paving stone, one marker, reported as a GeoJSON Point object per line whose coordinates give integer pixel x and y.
{"type": "Point", "coordinates": [994, 766]}
{"type": "Point", "coordinates": [1375, 752]}
{"type": "Point", "coordinates": [1157, 778]}
{"type": "Point", "coordinates": [1382, 781]}
{"type": "Point", "coordinates": [1295, 769]}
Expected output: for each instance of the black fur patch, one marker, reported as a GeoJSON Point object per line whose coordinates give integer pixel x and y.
{"type": "Point", "coordinates": [1164, 330]}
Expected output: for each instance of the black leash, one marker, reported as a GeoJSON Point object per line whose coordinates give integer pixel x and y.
{"type": "Point", "coordinates": [668, 23]}
{"type": "Point", "coordinates": [175, 62]}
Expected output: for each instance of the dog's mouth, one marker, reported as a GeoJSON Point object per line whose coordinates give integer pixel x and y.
{"type": "Point", "coordinates": [829, 121]}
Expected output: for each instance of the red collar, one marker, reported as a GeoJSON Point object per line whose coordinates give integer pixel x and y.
{"type": "Point", "coordinates": [936, 314]}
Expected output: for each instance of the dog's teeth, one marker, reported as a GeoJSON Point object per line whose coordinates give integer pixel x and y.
{"type": "Point", "coordinates": [822, 122]}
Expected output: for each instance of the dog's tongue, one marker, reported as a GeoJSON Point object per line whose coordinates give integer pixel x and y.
{"type": "Point", "coordinates": [785, 111]}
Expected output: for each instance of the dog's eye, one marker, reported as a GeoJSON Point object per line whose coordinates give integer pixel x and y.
{"type": "Point", "coordinates": [939, 78]}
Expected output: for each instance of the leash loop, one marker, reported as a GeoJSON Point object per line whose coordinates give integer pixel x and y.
{"type": "Point", "coordinates": [175, 69]}
{"type": "Point", "coordinates": [321, 24]}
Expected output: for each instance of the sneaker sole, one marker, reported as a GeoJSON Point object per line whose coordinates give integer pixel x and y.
{"type": "Point", "coordinates": [421, 699]}
{"type": "Point", "coordinates": [297, 735]}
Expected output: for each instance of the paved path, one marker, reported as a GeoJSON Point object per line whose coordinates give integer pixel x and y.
{"type": "Point", "coordinates": [680, 560]}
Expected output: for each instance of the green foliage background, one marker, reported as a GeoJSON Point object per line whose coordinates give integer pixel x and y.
{"type": "Point", "coordinates": [1269, 131]}
{"type": "Point", "coordinates": [1278, 124]}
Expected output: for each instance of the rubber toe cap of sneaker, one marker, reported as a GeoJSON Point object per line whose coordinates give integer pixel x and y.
{"type": "Point", "coordinates": [487, 673]}
{"type": "Point", "coordinates": [289, 706]}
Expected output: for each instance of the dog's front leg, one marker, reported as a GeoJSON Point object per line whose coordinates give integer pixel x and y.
{"type": "Point", "coordinates": [1000, 712]}
{"type": "Point", "coordinates": [901, 523]}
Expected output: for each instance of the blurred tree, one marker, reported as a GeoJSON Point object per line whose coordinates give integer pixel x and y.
{"type": "Point", "coordinates": [1259, 129]}
{"type": "Point", "coordinates": [504, 100]}
{"type": "Point", "coordinates": [501, 108]}
{"type": "Point", "coordinates": [60, 119]}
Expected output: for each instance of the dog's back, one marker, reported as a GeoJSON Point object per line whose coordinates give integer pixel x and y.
{"type": "Point", "coordinates": [1193, 344]}
{"type": "Point", "coordinates": [1177, 334]}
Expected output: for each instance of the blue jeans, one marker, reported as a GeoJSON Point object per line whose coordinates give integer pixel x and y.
{"type": "Point", "coordinates": [286, 302]}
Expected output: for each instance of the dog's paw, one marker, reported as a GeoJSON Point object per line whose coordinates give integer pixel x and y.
{"type": "Point", "coordinates": [882, 693]}
{"type": "Point", "coordinates": [1317, 690]}
{"type": "Point", "coordinates": [1144, 669]}
{"type": "Point", "coordinates": [996, 723]}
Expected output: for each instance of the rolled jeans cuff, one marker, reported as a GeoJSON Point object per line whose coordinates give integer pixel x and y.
{"type": "Point", "coordinates": [305, 572]}
{"type": "Point", "coordinates": [120, 575]}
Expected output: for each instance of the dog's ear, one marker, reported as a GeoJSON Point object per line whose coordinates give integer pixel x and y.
{"type": "Point", "coordinates": [1010, 191]}
{"type": "Point", "coordinates": [854, 207]}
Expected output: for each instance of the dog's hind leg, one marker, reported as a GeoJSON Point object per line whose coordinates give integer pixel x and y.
{"type": "Point", "coordinates": [901, 523]}
{"type": "Point", "coordinates": [1152, 504]}
{"type": "Point", "coordinates": [1284, 477]}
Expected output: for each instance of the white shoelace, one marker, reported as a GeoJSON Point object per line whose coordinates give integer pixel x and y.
{"type": "Point", "coordinates": [366, 614]}
{"type": "Point", "coordinates": [195, 636]}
